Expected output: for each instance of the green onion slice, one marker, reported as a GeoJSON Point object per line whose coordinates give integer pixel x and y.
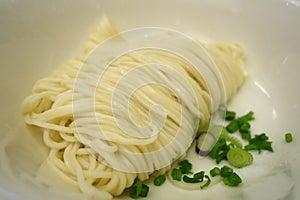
{"type": "Point", "coordinates": [158, 181]}
{"type": "Point", "coordinates": [145, 190]}
{"type": "Point", "coordinates": [199, 175]}
{"type": "Point", "coordinates": [226, 171]}
{"type": "Point", "coordinates": [232, 126]}
{"type": "Point", "coordinates": [207, 182]}
{"type": "Point", "coordinates": [176, 174]}
{"type": "Point", "coordinates": [190, 180]}
{"type": "Point", "coordinates": [232, 180]}
{"type": "Point", "coordinates": [288, 137]}
{"type": "Point", "coordinates": [185, 167]}
{"type": "Point", "coordinates": [215, 171]}
{"type": "Point", "coordinates": [136, 189]}
{"type": "Point", "coordinates": [230, 115]}
{"type": "Point", "coordinates": [239, 158]}
{"type": "Point", "coordinates": [245, 127]}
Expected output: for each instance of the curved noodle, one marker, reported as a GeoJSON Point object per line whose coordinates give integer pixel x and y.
{"type": "Point", "coordinates": [70, 159]}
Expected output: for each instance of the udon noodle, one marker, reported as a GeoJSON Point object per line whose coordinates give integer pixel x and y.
{"type": "Point", "coordinates": [82, 160]}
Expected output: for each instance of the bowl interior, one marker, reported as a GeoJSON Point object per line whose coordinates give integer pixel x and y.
{"type": "Point", "coordinates": [36, 37]}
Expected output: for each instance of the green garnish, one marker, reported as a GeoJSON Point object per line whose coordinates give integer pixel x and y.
{"type": "Point", "coordinates": [259, 142]}
{"type": "Point", "coordinates": [206, 184]}
{"type": "Point", "coordinates": [245, 130]}
{"type": "Point", "coordinates": [221, 148]}
{"type": "Point", "coordinates": [246, 135]}
{"type": "Point", "coordinates": [288, 137]}
{"type": "Point", "coordinates": [234, 141]}
{"type": "Point", "coordinates": [190, 180]}
{"type": "Point", "coordinates": [236, 124]}
{"type": "Point", "coordinates": [219, 151]}
{"type": "Point", "coordinates": [229, 177]}
{"type": "Point", "coordinates": [239, 158]}
{"type": "Point", "coordinates": [176, 174]}
{"type": "Point", "coordinates": [245, 127]}
{"type": "Point", "coordinates": [215, 171]}
{"type": "Point", "coordinates": [145, 190]}
{"type": "Point", "coordinates": [229, 115]}
{"type": "Point", "coordinates": [226, 171]}
{"type": "Point", "coordinates": [232, 180]}
{"type": "Point", "coordinates": [230, 148]}
{"type": "Point", "coordinates": [185, 167]}
{"type": "Point", "coordinates": [199, 175]}
{"type": "Point", "coordinates": [220, 132]}
{"type": "Point", "coordinates": [158, 181]}
{"type": "Point", "coordinates": [232, 126]}
{"type": "Point", "coordinates": [246, 118]}
{"type": "Point", "coordinates": [138, 189]}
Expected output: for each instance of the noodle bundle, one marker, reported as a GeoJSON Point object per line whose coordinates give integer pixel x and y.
{"type": "Point", "coordinates": [144, 127]}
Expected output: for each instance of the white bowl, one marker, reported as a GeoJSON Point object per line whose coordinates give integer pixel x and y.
{"type": "Point", "coordinates": [36, 36]}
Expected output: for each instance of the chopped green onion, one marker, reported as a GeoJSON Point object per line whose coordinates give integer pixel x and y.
{"type": "Point", "coordinates": [232, 180]}
{"type": "Point", "coordinates": [237, 123]}
{"type": "Point", "coordinates": [239, 158]}
{"type": "Point", "coordinates": [219, 146]}
{"type": "Point", "coordinates": [232, 126]}
{"type": "Point", "coordinates": [190, 180]}
{"type": "Point", "coordinates": [288, 137]}
{"type": "Point", "coordinates": [221, 156]}
{"type": "Point", "coordinates": [219, 151]}
{"type": "Point", "coordinates": [138, 189]}
{"type": "Point", "coordinates": [199, 175]}
{"type": "Point", "coordinates": [176, 174]}
{"type": "Point", "coordinates": [145, 190]}
{"type": "Point", "coordinates": [229, 115]}
{"type": "Point", "coordinates": [246, 135]}
{"type": "Point", "coordinates": [207, 182]}
{"type": "Point", "coordinates": [158, 181]}
{"type": "Point", "coordinates": [225, 135]}
{"type": "Point", "coordinates": [185, 167]}
{"type": "Point", "coordinates": [234, 141]}
{"type": "Point", "coordinates": [248, 117]}
{"type": "Point", "coordinates": [259, 142]}
{"type": "Point", "coordinates": [226, 171]}
{"type": "Point", "coordinates": [215, 171]}
{"type": "Point", "coordinates": [221, 132]}
{"type": "Point", "coordinates": [231, 146]}
{"type": "Point", "coordinates": [245, 127]}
